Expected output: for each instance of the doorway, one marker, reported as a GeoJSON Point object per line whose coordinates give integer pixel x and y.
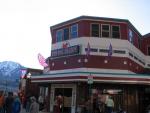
{"type": "Point", "coordinates": [67, 93]}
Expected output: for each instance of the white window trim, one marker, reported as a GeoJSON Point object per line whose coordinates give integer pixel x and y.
{"type": "Point", "coordinates": [112, 31]}
{"type": "Point", "coordinates": [99, 29]}
{"type": "Point", "coordinates": [71, 30]}
{"type": "Point", "coordinates": [105, 30]}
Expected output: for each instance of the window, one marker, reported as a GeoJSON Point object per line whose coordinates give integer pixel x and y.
{"type": "Point", "coordinates": [74, 31]}
{"type": "Point", "coordinates": [95, 30]}
{"type": "Point", "coordinates": [66, 33]}
{"type": "Point", "coordinates": [131, 36]}
{"type": "Point", "coordinates": [59, 35]}
{"type": "Point", "coordinates": [115, 32]}
{"type": "Point", "coordinates": [148, 50]}
{"type": "Point", "coordinates": [105, 30]}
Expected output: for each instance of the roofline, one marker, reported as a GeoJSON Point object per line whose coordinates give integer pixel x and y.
{"type": "Point", "coordinates": [94, 18]}
{"type": "Point", "coordinates": [81, 72]}
{"type": "Point", "coordinates": [146, 35]}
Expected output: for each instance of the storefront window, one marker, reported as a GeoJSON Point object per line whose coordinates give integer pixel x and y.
{"type": "Point", "coordinates": [43, 98]}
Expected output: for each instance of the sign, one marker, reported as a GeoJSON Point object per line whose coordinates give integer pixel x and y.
{"type": "Point", "coordinates": [73, 50]}
{"type": "Point", "coordinates": [90, 79]}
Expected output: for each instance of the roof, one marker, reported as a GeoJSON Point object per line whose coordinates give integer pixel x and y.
{"type": "Point", "coordinates": [94, 18]}
{"type": "Point", "coordinates": [123, 78]}
{"type": "Point", "coordinates": [147, 35]}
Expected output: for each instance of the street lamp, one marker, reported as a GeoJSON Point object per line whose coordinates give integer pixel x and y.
{"type": "Point", "coordinates": [90, 82]}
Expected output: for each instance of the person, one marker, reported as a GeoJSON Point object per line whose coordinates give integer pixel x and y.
{"type": "Point", "coordinates": [41, 102]}
{"type": "Point", "coordinates": [34, 107]}
{"type": "Point", "coordinates": [27, 103]}
{"type": "Point", "coordinates": [16, 106]}
{"type": "Point", "coordinates": [109, 104]}
{"type": "Point", "coordinates": [58, 104]}
{"type": "Point", "coordinates": [9, 102]}
{"type": "Point", "coordinates": [148, 109]}
{"type": "Point", "coordinates": [1, 102]}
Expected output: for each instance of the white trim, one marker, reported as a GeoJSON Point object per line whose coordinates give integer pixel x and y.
{"type": "Point", "coordinates": [91, 70]}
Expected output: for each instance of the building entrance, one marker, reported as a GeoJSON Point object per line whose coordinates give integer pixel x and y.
{"type": "Point", "coordinates": [63, 98]}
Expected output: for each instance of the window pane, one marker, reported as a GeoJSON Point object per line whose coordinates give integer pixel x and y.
{"type": "Point", "coordinates": [66, 33]}
{"type": "Point", "coordinates": [105, 27]}
{"type": "Point", "coordinates": [115, 28]}
{"type": "Point", "coordinates": [149, 50]}
{"type": "Point", "coordinates": [105, 31]}
{"type": "Point", "coordinates": [95, 30]}
{"type": "Point", "coordinates": [59, 35]}
{"type": "Point", "coordinates": [74, 31]}
{"type": "Point", "coordinates": [115, 32]}
{"type": "Point", "coordinates": [105, 34]}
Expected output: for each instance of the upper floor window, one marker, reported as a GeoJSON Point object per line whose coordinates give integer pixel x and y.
{"type": "Point", "coordinates": [148, 50]}
{"type": "Point", "coordinates": [74, 31]}
{"type": "Point", "coordinates": [95, 30]}
{"type": "Point", "coordinates": [105, 30]}
{"type": "Point", "coordinates": [115, 31]}
{"type": "Point", "coordinates": [130, 36]}
{"type": "Point", "coordinates": [59, 35]}
{"type": "Point", "coordinates": [66, 33]}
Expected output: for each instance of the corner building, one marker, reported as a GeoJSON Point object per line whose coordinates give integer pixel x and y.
{"type": "Point", "coordinates": [96, 55]}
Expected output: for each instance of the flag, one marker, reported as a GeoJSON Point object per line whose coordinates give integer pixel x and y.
{"type": "Point", "coordinates": [23, 72]}
{"type": "Point", "coordinates": [42, 60]}
{"type": "Point", "coordinates": [110, 51]}
{"type": "Point", "coordinates": [88, 49]}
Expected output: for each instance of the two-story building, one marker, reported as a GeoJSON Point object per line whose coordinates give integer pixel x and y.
{"type": "Point", "coordinates": [106, 56]}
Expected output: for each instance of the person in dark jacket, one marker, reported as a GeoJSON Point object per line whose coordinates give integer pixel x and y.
{"type": "Point", "coordinates": [9, 102]}
{"type": "Point", "coordinates": [16, 106]}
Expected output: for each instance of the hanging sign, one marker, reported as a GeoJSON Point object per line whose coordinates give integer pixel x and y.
{"type": "Point", "coordinates": [73, 50]}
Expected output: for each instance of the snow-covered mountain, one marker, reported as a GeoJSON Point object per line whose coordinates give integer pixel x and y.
{"type": "Point", "coordinates": [10, 73]}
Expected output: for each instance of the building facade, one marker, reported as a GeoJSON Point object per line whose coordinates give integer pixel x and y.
{"type": "Point", "coordinates": [93, 56]}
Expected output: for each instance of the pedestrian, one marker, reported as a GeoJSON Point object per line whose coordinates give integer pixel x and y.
{"type": "Point", "coordinates": [9, 102]}
{"type": "Point", "coordinates": [1, 102]}
{"type": "Point", "coordinates": [34, 107]}
{"type": "Point", "coordinates": [16, 106]}
{"type": "Point", "coordinates": [109, 104]}
{"type": "Point", "coordinates": [41, 102]}
{"type": "Point", "coordinates": [28, 103]}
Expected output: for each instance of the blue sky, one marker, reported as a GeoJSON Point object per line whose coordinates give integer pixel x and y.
{"type": "Point", "coordinates": [24, 24]}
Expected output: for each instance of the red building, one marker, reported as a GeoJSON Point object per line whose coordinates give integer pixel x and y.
{"type": "Point", "coordinates": [107, 54]}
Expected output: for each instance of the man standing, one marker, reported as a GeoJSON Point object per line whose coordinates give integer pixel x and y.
{"type": "Point", "coordinates": [109, 105]}
{"type": "Point", "coordinates": [9, 102]}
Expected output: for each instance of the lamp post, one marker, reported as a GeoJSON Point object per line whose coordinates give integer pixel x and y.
{"type": "Point", "coordinates": [90, 82]}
